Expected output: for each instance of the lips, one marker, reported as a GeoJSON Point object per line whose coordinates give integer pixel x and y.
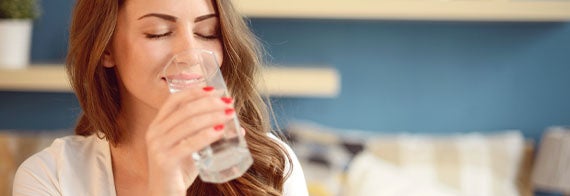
{"type": "Point", "coordinates": [182, 81]}
{"type": "Point", "coordinates": [185, 76]}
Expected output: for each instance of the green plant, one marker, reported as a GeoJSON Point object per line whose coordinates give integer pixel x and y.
{"type": "Point", "coordinates": [19, 9]}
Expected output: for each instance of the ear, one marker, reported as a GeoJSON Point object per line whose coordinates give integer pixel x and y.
{"type": "Point", "coordinates": [108, 59]}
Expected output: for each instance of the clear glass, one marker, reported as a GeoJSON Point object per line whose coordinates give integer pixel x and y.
{"type": "Point", "coordinates": [229, 157]}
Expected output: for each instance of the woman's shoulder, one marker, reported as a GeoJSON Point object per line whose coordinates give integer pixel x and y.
{"type": "Point", "coordinates": [286, 147]}
{"type": "Point", "coordinates": [72, 145]}
{"type": "Point", "coordinates": [295, 183]}
{"type": "Point", "coordinates": [58, 166]}
{"type": "Point", "coordinates": [78, 144]}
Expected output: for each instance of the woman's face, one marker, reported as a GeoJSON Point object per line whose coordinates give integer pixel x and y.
{"type": "Point", "coordinates": [148, 34]}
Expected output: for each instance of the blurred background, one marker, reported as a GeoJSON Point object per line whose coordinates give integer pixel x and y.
{"type": "Point", "coordinates": [422, 75]}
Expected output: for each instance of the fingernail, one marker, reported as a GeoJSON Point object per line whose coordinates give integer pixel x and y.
{"type": "Point", "coordinates": [229, 111]}
{"type": "Point", "coordinates": [219, 127]}
{"type": "Point", "coordinates": [208, 88]}
{"type": "Point", "coordinates": [227, 100]}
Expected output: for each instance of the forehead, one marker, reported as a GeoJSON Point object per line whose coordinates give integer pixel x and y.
{"type": "Point", "coordinates": [178, 8]}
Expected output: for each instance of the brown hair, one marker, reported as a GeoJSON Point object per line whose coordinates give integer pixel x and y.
{"type": "Point", "coordinates": [96, 87]}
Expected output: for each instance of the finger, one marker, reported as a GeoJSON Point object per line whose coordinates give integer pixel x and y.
{"type": "Point", "coordinates": [197, 142]}
{"type": "Point", "coordinates": [175, 100]}
{"type": "Point", "coordinates": [188, 111]}
{"type": "Point", "coordinates": [191, 126]}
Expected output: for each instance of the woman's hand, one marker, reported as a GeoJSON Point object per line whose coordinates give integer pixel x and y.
{"type": "Point", "coordinates": [187, 122]}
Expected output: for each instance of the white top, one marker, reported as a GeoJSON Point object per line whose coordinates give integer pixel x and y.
{"type": "Point", "coordinates": [78, 165]}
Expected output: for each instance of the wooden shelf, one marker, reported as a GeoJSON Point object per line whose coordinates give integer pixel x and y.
{"type": "Point", "coordinates": [464, 10]}
{"type": "Point", "coordinates": [300, 82]}
{"type": "Point", "coordinates": [279, 81]}
{"type": "Point", "coordinates": [42, 78]}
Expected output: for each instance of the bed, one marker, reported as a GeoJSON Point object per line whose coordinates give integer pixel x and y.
{"type": "Point", "coordinates": [353, 162]}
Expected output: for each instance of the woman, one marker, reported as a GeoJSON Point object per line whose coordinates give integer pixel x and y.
{"type": "Point", "coordinates": [133, 137]}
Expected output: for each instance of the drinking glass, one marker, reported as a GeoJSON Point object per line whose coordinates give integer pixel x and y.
{"type": "Point", "coordinates": [229, 157]}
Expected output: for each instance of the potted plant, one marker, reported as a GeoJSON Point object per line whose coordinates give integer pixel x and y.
{"type": "Point", "coordinates": [16, 32]}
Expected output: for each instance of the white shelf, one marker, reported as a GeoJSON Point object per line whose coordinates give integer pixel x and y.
{"type": "Point", "coordinates": [464, 10]}
{"type": "Point", "coordinates": [279, 81]}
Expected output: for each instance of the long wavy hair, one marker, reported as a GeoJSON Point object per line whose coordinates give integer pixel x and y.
{"type": "Point", "coordinates": [96, 87]}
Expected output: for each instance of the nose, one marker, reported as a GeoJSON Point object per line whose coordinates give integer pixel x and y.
{"type": "Point", "coordinates": [185, 40]}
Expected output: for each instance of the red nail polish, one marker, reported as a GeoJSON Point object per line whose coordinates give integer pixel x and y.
{"type": "Point", "coordinates": [229, 111]}
{"type": "Point", "coordinates": [219, 127]}
{"type": "Point", "coordinates": [208, 88]}
{"type": "Point", "coordinates": [227, 100]}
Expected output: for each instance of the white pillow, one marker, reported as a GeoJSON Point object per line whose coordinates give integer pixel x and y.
{"type": "Point", "coordinates": [369, 175]}
{"type": "Point", "coordinates": [473, 164]}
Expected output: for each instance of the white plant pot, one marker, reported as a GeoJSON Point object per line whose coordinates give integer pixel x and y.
{"type": "Point", "coordinates": [15, 41]}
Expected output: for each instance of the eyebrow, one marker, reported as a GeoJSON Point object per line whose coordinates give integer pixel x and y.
{"type": "Point", "coordinates": [204, 17]}
{"type": "Point", "coordinates": [162, 16]}
{"type": "Point", "coordinates": [173, 18]}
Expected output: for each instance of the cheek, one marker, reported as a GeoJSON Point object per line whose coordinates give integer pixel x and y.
{"type": "Point", "coordinates": [154, 52]}
{"type": "Point", "coordinates": [146, 57]}
{"type": "Point", "coordinates": [220, 58]}
{"type": "Point", "coordinates": [140, 64]}
{"type": "Point", "coordinates": [217, 48]}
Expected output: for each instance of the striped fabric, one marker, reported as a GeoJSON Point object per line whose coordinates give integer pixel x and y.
{"type": "Point", "coordinates": [472, 164]}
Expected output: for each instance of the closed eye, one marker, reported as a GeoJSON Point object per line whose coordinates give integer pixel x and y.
{"type": "Point", "coordinates": [157, 36]}
{"type": "Point", "coordinates": [207, 37]}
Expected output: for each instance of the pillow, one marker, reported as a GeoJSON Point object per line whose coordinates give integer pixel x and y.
{"type": "Point", "coordinates": [471, 164]}
{"type": "Point", "coordinates": [370, 175]}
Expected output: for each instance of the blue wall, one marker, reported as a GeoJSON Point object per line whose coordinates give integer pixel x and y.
{"type": "Point", "coordinates": [38, 111]}
{"type": "Point", "coordinates": [432, 77]}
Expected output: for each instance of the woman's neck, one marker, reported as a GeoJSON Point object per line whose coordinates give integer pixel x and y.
{"type": "Point", "coordinates": [130, 154]}
{"type": "Point", "coordinates": [134, 118]}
